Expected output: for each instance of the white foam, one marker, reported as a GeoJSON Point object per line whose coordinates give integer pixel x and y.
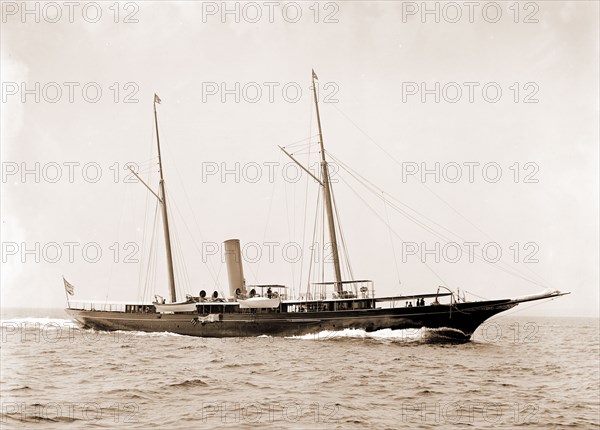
{"type": "Point", "coordinates": [384, 334]}
{"type": "Point", "coordinates": [150, 334]}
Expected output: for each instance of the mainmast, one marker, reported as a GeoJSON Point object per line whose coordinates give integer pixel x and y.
{"type": "Point", "coordinates": [327, 196]}
{"type": "Point", "coordinates": [163, 202]}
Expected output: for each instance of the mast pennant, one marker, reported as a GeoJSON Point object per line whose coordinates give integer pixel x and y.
{"type": "Point", "coordinates": [158, 100]}
{"type": "Point", "coordinates": [314, 75]}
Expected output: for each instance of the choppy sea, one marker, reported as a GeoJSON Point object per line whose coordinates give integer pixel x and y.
{"type": "Point", "coordinates": [517, 372]}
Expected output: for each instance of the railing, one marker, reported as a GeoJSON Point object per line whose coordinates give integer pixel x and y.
{"type": "Point", "coordinates": [362, 289]}
{"type": "Point", "coordinates": [98, 306]}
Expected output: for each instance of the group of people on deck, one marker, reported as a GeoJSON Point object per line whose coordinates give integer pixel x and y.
{"type": "Point", "coordinates": [420, 302]}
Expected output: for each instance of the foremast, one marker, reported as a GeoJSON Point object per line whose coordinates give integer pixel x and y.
{"type": "Point", "coordinates": [163, 202]}
{"type": "Point", "coordinates": [327, 196]}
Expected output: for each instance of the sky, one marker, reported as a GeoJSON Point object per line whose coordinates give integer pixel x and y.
{"type": "Point", "coordinates": [479, 124]}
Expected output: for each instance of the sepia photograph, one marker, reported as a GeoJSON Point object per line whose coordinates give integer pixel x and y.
{"type": "Point", "coordinates": [304, 214]}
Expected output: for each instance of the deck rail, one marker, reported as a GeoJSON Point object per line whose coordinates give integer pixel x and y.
{"type": "Point", "coordinates": [99, 306]}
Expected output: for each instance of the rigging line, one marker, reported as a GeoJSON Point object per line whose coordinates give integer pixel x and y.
{"type": "Point", "coordinates": [345, 245]}
{"type": "Point", "coordinates": [292, 234]}
{"type": "Point", "coordinates": [302, 141]}
{"type": "Point", "coordinates": [111, 269]}
{"type": "Point", "coordinates": [377, 190]}
{"type": "Point", "coordinates": [367, 183]}
{"type": "Point", "coordinates": [305, 146]}
{"type": "Point", "coordinates": [313, 247]}
{"type": "Point", "coordinates": [287, 210]}
{"type": "Point", "coordinates": [130, 176]}
{"type": "Point", "coordinates": [250, 267]}
{"type": "Point", "coordinates": [522, 308]}
{"type": "Point", "coordinates": [508, 269]}
{"type": "Point", "coordinates": [153, 167]}
{"type": "Point", "coordinates": [154, 266]}
{"type": "Point", "coordinates": [267, 224]}
{"type": "Point", "coordinates": [176, 261]}
{"type": "Point", "coordinates": [145, 230]}
{"type": "Point", "coordinates": [429, 189]}
{"type": "Point", "coordinates": [392, 230]}
{"type": "Point", "coordinates": [305, 208]}
{"type": "Point", "coordinates": [210, 267]}
{"type": "Point", "coordinates": [473, 294]}
{"type": "Point", "coordinates": [142, 171]}
{"type": "Point", "coordinates": [184, 275]}
{"type": "Point", "coordinates": [153, 158]}
{"type": "Point", "coordinates": [153, 256]}
{"type": "Point", "coordinates": [151, 252]}
{"type": "Point", "coordinates": [342, 237]}
{"type": "Point", "coordinates": [147, 264]}
{"type": "Point", "coordinates": [501, 265]}
{"type": "Point", "coordinates": [501, 262]}
{"type": "Point", "coordinates": [151, 276]}
{"type": "Point", "coordinates": [141, 168]}
{"type": "Point", "coordinates": [180, 269]}
{"type": "Point", "coordinates": [153, 279]}
{"type": "Point", "coordinates": [219, 274]}
{"type": "Point", "coordinates": [304, 152]}
{"type": "Point", "coordinates": [323, 242]}
{"type": "Point", "coordinates": [392, 243]}
{"type": "Point", "coordinates": [144, 245]}
{"type": "Point", "coordinates": [210, 262]}
{"type": "Point", "coordinates": [185, 271]}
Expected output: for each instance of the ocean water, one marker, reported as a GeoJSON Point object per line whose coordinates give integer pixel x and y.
{"type": "Point", "coordinates": [517, 372]}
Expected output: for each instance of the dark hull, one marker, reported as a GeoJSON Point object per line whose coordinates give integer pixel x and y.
{"type": "Point", "coordinates": [464, 317]}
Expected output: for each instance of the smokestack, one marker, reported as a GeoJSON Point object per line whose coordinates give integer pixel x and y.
{"type": "Point", "coordinates": [235, 271]}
